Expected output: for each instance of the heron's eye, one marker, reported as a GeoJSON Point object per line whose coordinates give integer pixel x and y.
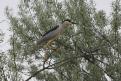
{"type": "Point", "coordinates": [69, 21]}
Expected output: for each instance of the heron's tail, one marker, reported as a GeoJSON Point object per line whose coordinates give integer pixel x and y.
{"type": "Point", "coordinates": [37, 46]}
{"type": "Point", "coordinates": [40, 42]}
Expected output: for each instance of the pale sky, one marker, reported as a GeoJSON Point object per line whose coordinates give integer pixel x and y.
{"type": "Point", "coordinates": [4, 25]}
{"type": "Point", "coordinates": [104, 4]}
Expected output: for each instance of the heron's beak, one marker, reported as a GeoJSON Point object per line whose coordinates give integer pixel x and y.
{"type": "Point", "coordinates": [73, 23]}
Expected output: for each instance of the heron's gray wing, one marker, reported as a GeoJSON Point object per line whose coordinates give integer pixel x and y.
{"type": "Point", "coordinates": [51, 30]}
{"type": "Point", "coordinates": [47, 36]}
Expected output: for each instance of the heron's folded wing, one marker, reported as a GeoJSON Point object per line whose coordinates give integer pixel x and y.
{"type": "Point", "coordinates": [51, 30]}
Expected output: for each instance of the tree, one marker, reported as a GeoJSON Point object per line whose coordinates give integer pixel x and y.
{"type": "Point", "coordinates": [2, 59]}
{"type": "Point", "coordinates": [88, 51]}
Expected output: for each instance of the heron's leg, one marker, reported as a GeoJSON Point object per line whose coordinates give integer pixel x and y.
{"type": "Point", "coordinates": [48, 44]}
{"type": "Point", "coordinates": [56, 49]}
{"type": "Point", "coordinates": [46, 56]}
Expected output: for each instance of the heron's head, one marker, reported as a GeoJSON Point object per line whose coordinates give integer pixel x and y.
{"type": "Point", "coordinates": [68, 22]}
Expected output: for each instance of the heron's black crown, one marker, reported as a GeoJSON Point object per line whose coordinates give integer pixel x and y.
{"type": "Point", "coordinates": [67, 20]}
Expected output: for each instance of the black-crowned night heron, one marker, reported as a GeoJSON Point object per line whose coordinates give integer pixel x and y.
{"type": "Point", "coordinates": [55, 32]}
{"type": "Point", "coordinates": [52, 34]}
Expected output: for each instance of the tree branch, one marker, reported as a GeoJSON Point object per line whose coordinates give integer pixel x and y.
{"type": "Point", "coordinates": [51, 66]}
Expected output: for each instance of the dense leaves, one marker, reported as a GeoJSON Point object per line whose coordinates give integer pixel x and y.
{"type": "Point", "coordinates": [88, 51]}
